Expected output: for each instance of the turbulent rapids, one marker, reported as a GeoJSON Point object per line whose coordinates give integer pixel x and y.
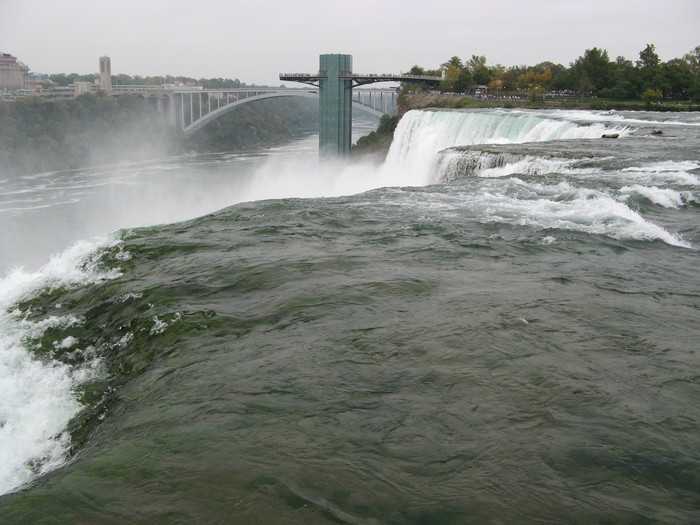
{"type": "Point", "coordinates": [497, 324]}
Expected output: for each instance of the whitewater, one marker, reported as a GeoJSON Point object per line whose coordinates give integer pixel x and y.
{"type": "Point", "coordinates": [498, 323]}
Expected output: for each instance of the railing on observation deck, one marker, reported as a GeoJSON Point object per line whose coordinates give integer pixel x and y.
{"type": "Point", "coordinates": [371, 75]}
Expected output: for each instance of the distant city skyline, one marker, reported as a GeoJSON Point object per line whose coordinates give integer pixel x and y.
{"type": "Point", "coordinates": [254, 42]}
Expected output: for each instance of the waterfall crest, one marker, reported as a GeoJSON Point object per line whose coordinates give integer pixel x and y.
{"type": "Point", "coordinates": [422, 134]}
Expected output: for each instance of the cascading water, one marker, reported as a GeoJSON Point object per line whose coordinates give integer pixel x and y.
{"type": "Point", "coordinates": [38, 396]}
{"type": "Point", "coordinates": [422, 135]}
{"type": "Point", "coordinates": [455, 163]}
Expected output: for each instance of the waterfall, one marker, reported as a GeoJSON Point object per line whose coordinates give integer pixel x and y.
{"type": "Point", "coordinates": [422, 134]}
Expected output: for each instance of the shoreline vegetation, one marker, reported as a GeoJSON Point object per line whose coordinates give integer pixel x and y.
{"type": "Point", "coordinates": [591, 76]}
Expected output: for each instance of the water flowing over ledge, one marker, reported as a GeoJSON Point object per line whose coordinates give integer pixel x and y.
{"type": "Point", "coordinates": [422, 134]}
{"type": "Point", "coordinates": [39, 395]}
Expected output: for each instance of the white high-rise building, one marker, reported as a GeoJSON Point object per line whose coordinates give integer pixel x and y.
{"type": "Point", "coordinates": [13, 74]}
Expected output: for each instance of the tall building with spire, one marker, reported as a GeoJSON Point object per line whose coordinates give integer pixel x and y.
{"type": "Point", "coordinates": [105, 74]}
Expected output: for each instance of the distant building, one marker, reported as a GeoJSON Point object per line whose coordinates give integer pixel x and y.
{"type": "Point", "coordinates": [13, 73]}
{"type": "Point", "coordinates": [80, 88]}
{"type": "Point", "coordinates": [105, 74]}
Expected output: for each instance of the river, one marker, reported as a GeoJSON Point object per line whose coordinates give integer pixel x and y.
{"type": "Point", "coordinates": [499, 324]}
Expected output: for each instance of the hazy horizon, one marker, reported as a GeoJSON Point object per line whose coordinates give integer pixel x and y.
{"type": "Point", "coordinates": [256, 43]}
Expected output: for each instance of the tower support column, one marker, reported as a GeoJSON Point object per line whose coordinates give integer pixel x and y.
{"type": "Point", "coordinates": [335, 109]}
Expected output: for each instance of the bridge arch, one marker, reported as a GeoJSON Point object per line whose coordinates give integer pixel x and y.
{"type": "Point", "coordinates": [216, 113]}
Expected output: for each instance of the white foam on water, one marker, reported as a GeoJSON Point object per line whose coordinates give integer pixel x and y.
{"type": "Point", "coordinates": [37, 397]}
{"type": "Point", "coordinates": [629, 118]}
{"type": "Point", "coordinates": [669, 165]}
{"type": "Point", "coordinates": [666, 197]}
{"type": "Point", "coordinates": [536, 166]}
{"type": "Point", "coordinates": [456, 164]}
{"type": "Point", "coordinates": [561, 206]}
{"type": "Point", "coordinates": [668, 172]}
{"type": "Point", "coordinates": [566, 207]}
{"type": "Point", "coordinates": [281, 178]}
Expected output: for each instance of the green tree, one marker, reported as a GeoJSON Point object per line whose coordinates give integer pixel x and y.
{"type": "Point", "coordinates": [557, 74]}
{"type": "Point", "coordinates": [475, 63]}
{"type": "Point", "coordinates": [678, 77]}
{"type": "Point", "coordinates": [693, 60]}
{"type": "Point", "coordinates": [536, 94]}
{"type": "Point", "coordinates": [651, 96]}
{"type": "Point", "coordinates": [482, 75]}
{"type": "Point", "coordinates": [407, 87]}
{"type": "Point", "coordinates": [651, 75]}
{"type": "Point", "coordinates": [622, 63]}
{"type": "Point", "coordinates": [509, 79]}
{"type": "Point", "coordinates": [464, 81]}
{"type": "Point", "coordinates": [592, 72]}
{"type": "Point", "coordinates": [64, 80]}
{"type": "Point", "coordinates": [451, 78]}
{"type": "Point", "coordinates": [626, 81]}
{"type": "Point", "coordinates": [648, 57]}
{"type": "Point", "coordinates": [122, 79]}
{"type": "Point", "coordinates": [416, 70]}
{"type": "Point", "coordinates": [455, 61]}
{"type": "Point", "coordinates": [585, 85]}
{"type": "Point", "coordinates": [694, 89]}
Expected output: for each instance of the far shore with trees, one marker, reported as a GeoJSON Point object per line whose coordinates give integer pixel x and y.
{"type": "Point", "coordinates": [591, 78]}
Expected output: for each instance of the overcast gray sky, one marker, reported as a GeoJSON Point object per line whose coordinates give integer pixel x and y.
{"type": "Point", "coordinates": [255, 40]}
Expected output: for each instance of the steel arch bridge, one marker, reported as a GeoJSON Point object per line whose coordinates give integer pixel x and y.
{"type": "Point", "coordinates": [199, 107]}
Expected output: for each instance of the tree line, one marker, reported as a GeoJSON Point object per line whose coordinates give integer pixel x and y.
{"type": "Point", "coordinates": [593, 74]}
{"type": "Point", "coordinates": [67, 79]}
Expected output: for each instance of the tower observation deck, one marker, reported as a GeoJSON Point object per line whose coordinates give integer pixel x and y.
{"type": "Point", "coordinates": [335, 81]}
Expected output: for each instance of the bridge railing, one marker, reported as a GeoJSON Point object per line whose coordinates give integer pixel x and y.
{"type": "Point", "coordinates": [383, 101]}
{"type": "Point", "coordinates": [137, 88]}
{"type": "Point", "coordinates": [399, 76]}
{"type": "Point", "coordinates": [194, 106]}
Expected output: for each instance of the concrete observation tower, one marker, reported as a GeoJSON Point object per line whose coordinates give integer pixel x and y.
{"type": "Point", "coordinates": [106, 74]}
{"type": "Point", "coordinates": [335, 81]}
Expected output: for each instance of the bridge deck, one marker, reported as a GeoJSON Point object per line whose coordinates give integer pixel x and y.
{"type": "Point", "coordinates": [360, 80]}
